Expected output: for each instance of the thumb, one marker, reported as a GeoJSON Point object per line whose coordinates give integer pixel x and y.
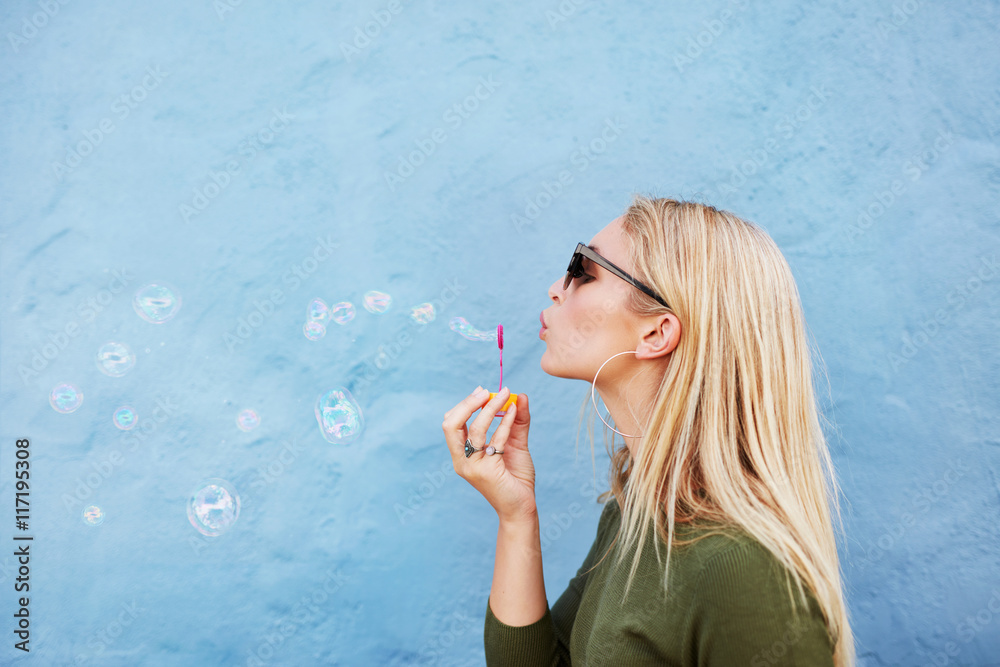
{"type": "Point", "coordinates": [522, 420]}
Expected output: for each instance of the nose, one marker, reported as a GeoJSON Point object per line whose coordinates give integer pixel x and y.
{"type": "Point", "coordinates": [556, 290]}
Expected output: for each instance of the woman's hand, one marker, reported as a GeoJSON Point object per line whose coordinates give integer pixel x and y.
{"type": "Point", "coordinates": [507, 481]}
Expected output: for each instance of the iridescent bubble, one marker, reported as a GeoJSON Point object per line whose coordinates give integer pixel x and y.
{"type": "Point", "coordinates": [339, 416]}
{"type": "Point", "coordinates": [342, 312]}
{"type": "Point", "coordinates": [115, 359]}
{"type": "Point", "coordinates": [461, 326]}
{"type": "Point", "coordinates": [318, 311]}
{"type": "Point", "coordinates": [65, 398]}
{"type": "Point", "coordinates": [213, 507]}
{"type": "Point", "coordinates": [377, 302]}
{"type": "Point", "coordinates": [423, 313]}
{"type": "Point", "coordinates": [93, 515]}
{"type": "Point", "coordinates": [247, 420]}
{"type": "Point", "coordinates": [314, 330]}
{"type": "Point", "coordinates": [156, 302]}
{"type": "Point", "coordinates": [125, 418]}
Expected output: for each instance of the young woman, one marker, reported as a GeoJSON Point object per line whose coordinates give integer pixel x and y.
{"type": "Point", "coordinates": [717, 545]}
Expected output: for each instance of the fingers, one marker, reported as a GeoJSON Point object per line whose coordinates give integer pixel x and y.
{"type": "Point", "coordinates": [499, 439]}
{"type": "Point", "coordinates": [522, 409]}
{"type": "Point", "coordinates": [454, 423]}
{"type": "Point", "coordinates": [482, 423]}
{"type": "Point", "coordinates": [522, 422]}
{"type": "Point", "coordinates": [460, 414]}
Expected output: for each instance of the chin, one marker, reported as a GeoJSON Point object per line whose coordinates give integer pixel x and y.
{"type": "Point", "coordinates": [547, 366]}
{"type": "Point", "coordinates": [551, 368]}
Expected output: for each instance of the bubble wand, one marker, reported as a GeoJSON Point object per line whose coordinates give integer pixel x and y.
{"type": "Point", "coordinates": [513, 397]}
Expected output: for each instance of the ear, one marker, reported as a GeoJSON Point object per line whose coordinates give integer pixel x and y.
{"type": "Point", "coordinates": [660, 337]}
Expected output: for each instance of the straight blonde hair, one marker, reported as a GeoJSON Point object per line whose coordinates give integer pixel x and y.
{"type": "Point", "coordinates": [734, 435]}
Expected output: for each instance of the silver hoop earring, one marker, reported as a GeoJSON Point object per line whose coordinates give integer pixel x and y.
{"type": "Point", "coordinates": [593, 399]}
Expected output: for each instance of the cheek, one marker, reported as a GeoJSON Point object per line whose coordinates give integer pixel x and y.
{"type": "Point", "coordinates": [587, 332]}
{"type": "Point", "coordinates": [598, 316]}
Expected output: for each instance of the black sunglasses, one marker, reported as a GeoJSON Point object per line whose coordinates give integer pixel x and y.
{"type": "Point", "coordinates": [575, 270]}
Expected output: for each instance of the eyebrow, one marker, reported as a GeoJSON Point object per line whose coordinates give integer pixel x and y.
{"type": "Point", "coordinates": [594, 248]}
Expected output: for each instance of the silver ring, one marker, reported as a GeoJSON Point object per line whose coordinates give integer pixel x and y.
{"type": "Point", "coordinates": [470, 449]}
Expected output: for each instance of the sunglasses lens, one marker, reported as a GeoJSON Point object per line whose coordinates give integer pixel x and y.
{"type": "Point", "coordinates": [573, 270]}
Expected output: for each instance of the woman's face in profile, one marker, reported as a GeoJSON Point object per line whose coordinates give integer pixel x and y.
{"type": "Point", "coordinates": [587, 322]}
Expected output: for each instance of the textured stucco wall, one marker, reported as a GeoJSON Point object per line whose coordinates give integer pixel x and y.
{"type": "Point", "coordinates": [862, 136]}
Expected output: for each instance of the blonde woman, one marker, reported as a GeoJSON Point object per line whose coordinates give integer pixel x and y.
{"type": "Point", "coordinates": [717, 545]}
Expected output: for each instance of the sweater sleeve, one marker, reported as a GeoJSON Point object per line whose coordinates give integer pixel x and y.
{"type": "Point", "coordinates": [544, 643]}
{"type": "Point", "coordinates": [742, 615]}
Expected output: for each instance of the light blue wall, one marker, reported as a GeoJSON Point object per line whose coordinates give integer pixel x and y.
{"type": "Point", "coordinates": [862, 136]}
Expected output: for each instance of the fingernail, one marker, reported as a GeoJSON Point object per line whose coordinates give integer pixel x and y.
{"type": "Point", "coordinates": [480, 392]}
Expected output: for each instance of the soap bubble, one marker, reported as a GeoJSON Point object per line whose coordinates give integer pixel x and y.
{"type": "Point", "coordinates": [93, 515]}
{"type": "Point", "coordinates": [115, 359]}
{"type": "Point", "coordinates": [342, 312]}
{"type": "Point", "coordinates": [461, 326]}
{"type": "Point", "coordinates": [247, 420]}
{"type": "Point", "coordinates": [339, 416]}
{"type": "Point", "coordinates": [125, 418]}
{"type": "Point", "coordinates": [377, 302]}
{"type": "Point", "coordinates": [156, 302]}
{"type": "Point", "coordinates": [318, 311]}
{"type": "Point", "coordinates": [213, 507]}
{"type": "Point", "coordinates": [65, 398]}
{"type": "Point", "coordinates": [423, 313]}
{"type": "Point", "coordinates": [314, 330]}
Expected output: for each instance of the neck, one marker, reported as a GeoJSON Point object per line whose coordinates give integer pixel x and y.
{"type": "Point", "coordinates": [629, 398]}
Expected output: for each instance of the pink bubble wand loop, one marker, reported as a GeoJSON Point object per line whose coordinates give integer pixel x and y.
{"type": "Point", "coordinates": [512, 399]}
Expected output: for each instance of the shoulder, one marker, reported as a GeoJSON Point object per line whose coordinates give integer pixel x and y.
{"type": "Point", "coordinates": [743, 596]}
{"type": "Point", "coordinates": [611, 516]}
{"type": "Point", "coordinates": [726, 556]}
{"type": "Point", "coordinates": [725, 568]}
{"type": "Point", "coordinates": [729, 567]}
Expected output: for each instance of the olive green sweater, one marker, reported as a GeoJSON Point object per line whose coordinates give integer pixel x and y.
{"type": "Point", "coordinates": [728, 605]}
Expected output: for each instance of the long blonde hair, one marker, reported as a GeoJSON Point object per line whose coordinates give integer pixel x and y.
{"type": "Point", "coordinates": [734, 434]}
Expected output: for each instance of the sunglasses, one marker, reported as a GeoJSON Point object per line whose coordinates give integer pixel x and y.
{"type": "Point", "coordinates": [575, 270]}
